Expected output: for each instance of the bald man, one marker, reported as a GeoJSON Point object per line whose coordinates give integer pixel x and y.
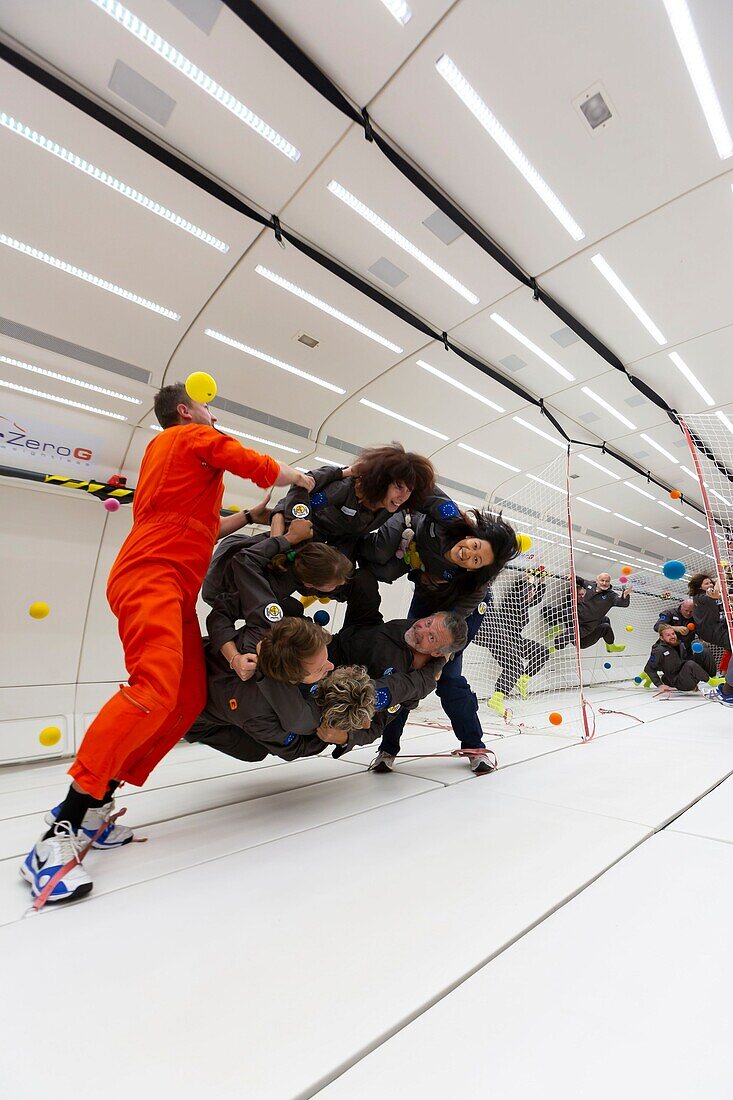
{"type": "Point", "coordinates": [593, 619]}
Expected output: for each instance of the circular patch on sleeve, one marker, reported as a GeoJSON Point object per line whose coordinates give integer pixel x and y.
{"type": "Point", "coordinates": [448, 574]}
{"type": "Point", "coordinates": [394, 708]}
{"type": "Point", "coordinates": [313, 689]}
{"type": "Point", "coordinates": [273, 613]}
{"type": "Point", "coordinates": [448, 509]}
{"type": "Point", "coordinates": [381, 699]}
{"type": "Point", "coordinates": [388, 671]}
{"type": "Point", "coordinates": [482, 608]}
{"type": "Point", "coordinates": [300, 511]}
{"type": "Point", "coordinates": [318, 500]}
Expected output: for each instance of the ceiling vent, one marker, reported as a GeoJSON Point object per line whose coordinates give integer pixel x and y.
{"type": "Point", "coordinates": [634, 401]}
{"type": "Point", "coordinates": [388, 272]}
{"type": "Point", "coordinates": [594, 107]}
{"type": "Point", "coordinates": [72, 351]}
{"type": "Point", "coordinates": [513, 363]}
{"type": "Point", "coordinates": [304, 338]}
{"type": "Point", "coordinates": [564, 337]}
{"type": "Point", "coordinates": [141, 93]}
{"type": "Point", "coordinates": [442, 227]}
{"type": "Point", "coordinates": [202, 13]}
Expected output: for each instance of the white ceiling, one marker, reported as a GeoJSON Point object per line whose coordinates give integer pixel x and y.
{"type": "Point", "coordinates": [649, 190]}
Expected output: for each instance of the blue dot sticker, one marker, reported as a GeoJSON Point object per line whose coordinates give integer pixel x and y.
{"type": "Point", "coordinates": [318, 500]}
{"type": "Point", "coordinates": [289, 739]}
{"type": "Point", "coordinates": [448, 509]}
{"type": "Point", "coordinates": [382, 699]}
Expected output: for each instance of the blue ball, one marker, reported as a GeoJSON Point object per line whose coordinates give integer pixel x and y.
{"type": "Point", "coordinates": [697, 647]}
{"type": "Point", "coordinates": [321, 617]}
{"type": "Point", "coordinates": [673, 570]}
{"type": "Point", "coordinates": [637, 679]}
{"type": "Point", "coordinates": [606, 664]}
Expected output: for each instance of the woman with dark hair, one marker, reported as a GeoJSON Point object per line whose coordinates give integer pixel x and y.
{"type": "Point", "coordinates": [708, 611]}
{"type": "Point", "coordinates": [348, 503]}
{"type": "Point", "coordinates": [291, 703]}
{"type": "Point", "coordinates": [451, 557]}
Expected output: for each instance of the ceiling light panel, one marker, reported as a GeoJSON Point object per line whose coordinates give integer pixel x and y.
{"type": "Point", "coordinates": [60, 400]}
{"type": "Point", "coordinates": [691, 378]}
{"type": "Point", "coordinates": [33, 369]}
{"type": "Point", "coordinates": [658, 447]}
{"type": "Point", "coordinates": [265, 358]}
{"type": "Point", "coordinates": [259, 439]}
{"type": "Point", "coordinates": [627, 297]}
{"type": "Point", "coordinates": [547, 484]}
{"type": "Point", "coordinates": [110, 181]}
{"type": "Point", "coordinates": [87, 277]}
{"type": "Point", "coordinates": [399, 9]}
{"type": "Point", "coordinates": [609, 408]}
{"type": "Point", "coordinates": [502, 323]}
{"type": "Point", "coordinates": [691, 50]}
{"type": "Point", "coordinates": [402, 418]}
{"type": "Point", "coordinates": [538, 431]}
{"type": "Point", "coordinates": [489, 458]}
{"type": "Point", "coordinates": [639, 490]}
{"type": "Point", "coordinates": [604, 469]}
{"type": "Point", "coordinates": [220, 95]}
{"type": "Point", "coordinates": [481, 112]}
{"type": "Point", "coordinates": [459, 386]}
{"type": "Point", "coordinates": [402, 242]}
{"type": "Point", "coordinates": [592, 504]}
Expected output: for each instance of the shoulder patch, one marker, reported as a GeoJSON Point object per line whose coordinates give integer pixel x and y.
{"type": "Point", "coordinates": [313, 689]}
{"type": "Point", "coordinates": [393, 709]}
{"type": "Point", "coordinates": [388, 671]}
{"type": "Point", "coordinates": [318, 499]}
{"type": "Point", "coordinates": [449, 509]}
{"type": "Point", "coordinates": [289, 739]}
{"type": "Point", "coordinates": [273, 613]}
{"type": "Point", "coordinates": [382, 699]}
{"type": "Point", "coordinates": [482, 608]}
{"type": "Point", "coordinates": [300, 511]}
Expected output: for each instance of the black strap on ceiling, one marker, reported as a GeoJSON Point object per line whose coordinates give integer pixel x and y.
{"type": "Point", "coordinates": [164, 156]}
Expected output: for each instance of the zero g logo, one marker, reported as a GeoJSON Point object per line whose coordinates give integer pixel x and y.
{"type": "Point", "coordinates": [482, 608]}
{"type": "Point", "coordinates": [300, 511]}
{"type": "Point", "coordinates": [273, 613]}
{"type": "Point", "coordinates": [16, 437]}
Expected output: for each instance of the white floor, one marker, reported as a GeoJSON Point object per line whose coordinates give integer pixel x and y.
{"type": "Point", "coordinates": [559, 928]}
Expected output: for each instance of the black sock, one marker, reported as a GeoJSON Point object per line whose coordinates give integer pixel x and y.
{"type": "Point", "coordinates": [72, 809]}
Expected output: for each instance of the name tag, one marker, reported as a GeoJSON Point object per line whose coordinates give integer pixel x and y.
{"type": "Point", "coordinates": [348, 511]}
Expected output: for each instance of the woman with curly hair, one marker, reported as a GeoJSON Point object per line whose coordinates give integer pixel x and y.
{"type": "Point", "coordinates": [451, 557]}
{"type": "Point", "coordinates": [708, 611]}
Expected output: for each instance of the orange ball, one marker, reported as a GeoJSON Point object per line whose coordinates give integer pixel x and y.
{"type": "Point", "coordinates": [555, 719]}
{"type": "Point", "coordinates": [691, 626]}
{"type": "Point", "coordinates": [626, 570]}
{"type": "Point", "coordinates": [675, 494]}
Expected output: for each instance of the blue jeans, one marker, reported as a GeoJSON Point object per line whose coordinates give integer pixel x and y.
{"type": "Point", "coordinates": [453, 689]}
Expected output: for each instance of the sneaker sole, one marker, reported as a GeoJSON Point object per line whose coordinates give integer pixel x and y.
{"type": "Point", "coordinates": [483, 769]}
{"type": "Point", "coordinates": [382, 769]}
{"type": "Point", "coordinates": [80, 892]}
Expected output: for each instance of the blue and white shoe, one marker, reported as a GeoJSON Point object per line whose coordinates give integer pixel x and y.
{"type": "Point", "coordinates": [114, 836]}
{"type": "Point", "coordinates": [726, 700]}
{"type": "Point", "coordinates": [49, 856]}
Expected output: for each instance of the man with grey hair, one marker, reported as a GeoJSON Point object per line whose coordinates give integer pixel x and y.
{"type": "Point", "coordinates": [593, 620]}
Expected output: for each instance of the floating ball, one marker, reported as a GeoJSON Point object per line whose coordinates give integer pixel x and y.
{"type": "Point", "coordinates": [524, 542]}
{"type": "Point", "coordinates": [626, 570]}
{"type": "Point", "coordinates": [629, 629]}
{"type": "Point", "coordinates": [697, 647]}
{"type": "Point", "coordinates": [555, 719]}
{"type": "Point", "coordinates": [724, 564]}
{"type": "Point", "coordinates": [112, 505]}
{"type": "Point", "coordinates": [673, 570]}
{"type": "Point", "coordinates": [201, 387]}
{"type": "Point", "coordinates": [691, 627]}
{"type": "Point", "coordinates": [637, 679]}
{"type": "Point", "coordinates": [623, 580]}
{"type": "Point", "coordinates": [49, 736]}
{"type": "Point", "coordinates": [675, 494]}
{"type": "Point", "coordinates": [38, 610]}
{"type": "Point", "coordinates": [321, 617]}
{"type": "Point", "coordinates": [606, 664]}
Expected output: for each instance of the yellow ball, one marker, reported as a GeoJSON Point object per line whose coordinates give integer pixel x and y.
{"type": "Point", "coordinates": [724, 564]}
{"type": "Point", "coordinates": [38, 610]}
{"type": "Point", "coordinates": [51, 735]}
{"type": "Point", "coordinates": [524, 542]}
{"type": "Point", "coordinates": [201, 387]}
{"type": "Point", "coordinates": [629, 629]}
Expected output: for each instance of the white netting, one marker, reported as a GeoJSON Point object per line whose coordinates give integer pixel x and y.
{"type": "Point", "coordinates": [710, 441]}
{"type": "Point", "coordinates": [523, 660]}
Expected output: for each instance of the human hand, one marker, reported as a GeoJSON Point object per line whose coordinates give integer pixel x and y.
{"type": "Point", "coordinates": [663, 689]}
{"type": "Point", "coordinates": [245, 665]}
{"type": "Point", "coordinates": [305, 481]}
{"type": "Point", "coordinates": [332, 735]}
{"type": "Point", "coordinates": [300, 530]}
{"type": "Point", "coordinates": [261, 513]}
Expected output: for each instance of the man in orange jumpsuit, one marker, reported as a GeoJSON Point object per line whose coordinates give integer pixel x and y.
{"type": "Point", "coordinates": [152, 589]}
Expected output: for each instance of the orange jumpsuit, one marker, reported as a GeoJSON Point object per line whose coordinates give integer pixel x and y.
{"type": "Point", "coordinates": [152, 589]}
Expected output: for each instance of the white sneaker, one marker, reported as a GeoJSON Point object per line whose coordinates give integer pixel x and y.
{"type": "Point", "coordinates": [483, 764]}
{"type": "Point", "coordinates": [49, 856]}
{"type": "Point", "coordinates": [382, 762]}
{"type": "Point", "coordinates": [114, 836]}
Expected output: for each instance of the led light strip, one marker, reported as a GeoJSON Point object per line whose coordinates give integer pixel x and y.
{"type": "Point", "coordinates": [547, 484]}
{"type": "Point", "coordinates": [627, 297]}
{"type": "Point", "coordinates": [603, 469]}
{"type": "Point", "coordinates": [163, 49]}
{"type": "Point", "coordinates": [538, 431]}
{"type": "Point", "coordinates": [724, 420]}
{"type": "Point", "coordinates": [687, 373]}
{"type": "Point", "coordinates": [592, 503]}
{"type": "Point", "coordinates": [66, 378]}
{"type": "Point", "coordinates": [527, 343]}
{"type": "Point", "coordinates": [259, 439]}
{"type": "Point", "coordinates": [642, 492]}
{"type": "Point", "coordinates": [60, 400]}
{"type": "Point", "coordinates": [79, 273]}
{"type": "Point", "coordinates": [689, 44]}
{"type": "Point", "coordinates": [326, 308]}
{"type": "Point", "coordinates": [232, 343]}
{"type": "Point", "coordinates": [459, 386]}
{"type": "Point", "coordinates": [110, 181]}
{"type": "Point", "coordinates": [626, 519]}
{"type": "Point", "coordinates": [658, 447]}
{"type": "Point", "coordinates": [402, 242]}
{"type": "Point", "coordinates": [609, 408]}
{"type": "Point", "coordinates": [470, 97]}
{"type": "Point", "coordinates": [490, 458]}
{"type": "Point", "coordinates": [403, 419]}
{"type": "Point", "coordinates": [399, 9]}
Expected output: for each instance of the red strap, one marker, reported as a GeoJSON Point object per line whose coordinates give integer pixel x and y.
{"type": "Point", "coordinates": [45, 893]}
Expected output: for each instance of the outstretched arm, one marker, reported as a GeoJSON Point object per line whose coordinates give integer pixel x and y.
{"type": "Point", "coordinates": [228, 525]}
